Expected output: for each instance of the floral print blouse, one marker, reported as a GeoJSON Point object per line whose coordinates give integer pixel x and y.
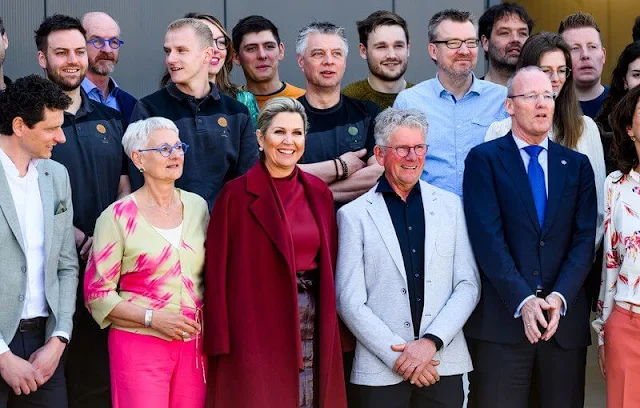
{"type": "Point", "coordinates": [621, 266]}
{"type": "Point", "coordinates": [131, 261]}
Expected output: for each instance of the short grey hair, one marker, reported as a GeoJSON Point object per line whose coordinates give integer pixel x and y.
{"type": "Point", "coordinates": [277, 105]}
{"type": "Point", "coordinates": [459, 16]}
{"type": "Point", "coordinates": [322, 27]}
{"type": "Point", "coordinates": [202, 31]}
{"type": "Point", "coordinates": [137, 135]}
{"type": "Point", "coordinates": [512, 79]}
{"type": "Point", "coordinates": [391, 119]}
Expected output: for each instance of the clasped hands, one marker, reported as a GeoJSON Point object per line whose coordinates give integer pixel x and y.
{"type": "Point", "coordinates": [416, 363]}
{"type": "Point", "coordinates": [532, 315]}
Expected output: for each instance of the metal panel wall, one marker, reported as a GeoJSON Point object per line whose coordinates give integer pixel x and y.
{"type": "Point", "coordinates": [144, 23]}
{"type": "Point", "coordinates": [20, 18]}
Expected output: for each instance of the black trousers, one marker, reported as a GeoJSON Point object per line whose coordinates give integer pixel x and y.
{"type": "Point", "coordinates": [52, 394]}
{"type": "Point", "coordinates": [503, 375]}
{"type": "Point", "coordinates": [87, 362]}
{"type": "Point", "coordinates": [446, 393]}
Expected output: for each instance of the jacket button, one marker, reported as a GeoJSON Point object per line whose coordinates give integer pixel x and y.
{"type": "Point", "coordinates": [21, 298]}
{"type": "Point", "coordinates": [536, 273]}
{"type": "Point", "coordinates": [407, 324]}
{"type": "Point", "coordinates": [404, 290]}
{"type": "Point", "coordinates": [541, 243]}
{"type": "Point", "coordinates": [23, 269]}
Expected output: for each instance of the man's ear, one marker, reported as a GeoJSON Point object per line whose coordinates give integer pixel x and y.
{"type": "Point", "coordinates": [485, 43]}
{"type": "Point", "coordinates": [363, 51]}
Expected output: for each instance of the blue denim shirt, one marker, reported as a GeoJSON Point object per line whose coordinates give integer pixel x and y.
{"type": "Point", "coordinates": [455, 126]}
{"type": "Point", "coordinates": [95, 93]}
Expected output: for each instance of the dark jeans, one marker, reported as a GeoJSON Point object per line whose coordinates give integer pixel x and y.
{"type": "Point", "coordinates": [52, 394]}
{"type": "Point", "coordinates": [446, 393]}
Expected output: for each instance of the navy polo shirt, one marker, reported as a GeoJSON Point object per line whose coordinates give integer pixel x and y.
{"type": "Point", "coordinates": [345, 127]}
{"type": "Point", "coordinates": [592, 108]}
{"type": "Point", "coordinates": [409, 226]}
{"type": "Point", "coordinates": [217, 128]}
{"type": "Point", "coordinates": [94, 158]}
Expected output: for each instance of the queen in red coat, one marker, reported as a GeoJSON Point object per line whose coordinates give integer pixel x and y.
{"type": "Point", "coordinates": [270, 323]}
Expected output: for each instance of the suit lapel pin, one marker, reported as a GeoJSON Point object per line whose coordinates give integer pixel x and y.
{"type": "Point", "coordinates": [564, 162]}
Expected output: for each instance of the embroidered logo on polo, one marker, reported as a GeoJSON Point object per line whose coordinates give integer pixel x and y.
{"type": "Point", "coordinates": [223, 123]}
{"type": "Point", "coordinates": [102, 129]}
{"type": "Point", "coordinates": [356, 137]}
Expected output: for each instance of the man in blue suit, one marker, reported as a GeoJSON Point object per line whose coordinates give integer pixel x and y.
{"type": "Point", "coordinates": [530, 206]}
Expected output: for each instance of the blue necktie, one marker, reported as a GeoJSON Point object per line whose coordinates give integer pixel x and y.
{"type": "Point", "coordinates": [536, 179]}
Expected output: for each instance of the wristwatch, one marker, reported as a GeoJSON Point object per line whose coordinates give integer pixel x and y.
{"type": "Point", "coordinates": [63, 339]}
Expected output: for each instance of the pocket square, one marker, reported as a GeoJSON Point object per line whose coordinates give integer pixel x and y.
{"type": "Point", "coordinates": [61, 208]}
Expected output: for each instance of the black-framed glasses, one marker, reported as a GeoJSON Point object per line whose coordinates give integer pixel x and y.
{"type": "Point", "coordinates": [166, 149]}
{"type": "Point", "coordinates": [99, 42]}
{"type": "Point", "coordinates": [533, 97]}
{"type": "Point", "coordinates": [562, 72]}
{"type": "Point", "coordinates": [454, 44]}
{"type": "Point", "coordinates": [403, 151]}
{"type": "Point", "coordinates": [221, 43]}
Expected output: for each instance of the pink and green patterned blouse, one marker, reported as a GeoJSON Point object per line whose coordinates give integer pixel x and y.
{"type": "Point", "coordinates": [130, 261]}
{"type": "Point", "coordinates": [621, 269]}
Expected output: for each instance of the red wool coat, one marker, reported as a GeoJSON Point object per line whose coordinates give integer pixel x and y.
{"type": "Point", "coordinates": [251, 322]}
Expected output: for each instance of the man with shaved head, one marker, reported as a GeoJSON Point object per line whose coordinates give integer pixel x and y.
{"type": "Point", "coordinates": [530, 206]}
{"type": "Point", "coordinates": [103, 50]}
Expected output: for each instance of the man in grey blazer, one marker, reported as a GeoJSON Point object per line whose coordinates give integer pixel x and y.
{"type": "Point", "coordinates": [406, 278]}
{"type": "Point", "coordinates": [39, 265]}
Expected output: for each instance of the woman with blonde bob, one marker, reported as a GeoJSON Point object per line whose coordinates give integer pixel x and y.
{"type": "Point", "coordinates": [144, 277]}
{"type": "Point", "coordinates": [271, 328]}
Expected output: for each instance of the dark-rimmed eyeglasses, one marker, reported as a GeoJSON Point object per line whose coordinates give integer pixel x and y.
{"type": "Point", "coordinates": [533, 97]}
{"type": "Point", "coordinates": [99, 42]}
{"type": "Point", "coordinates": [403, 151]}
{"type": "Point", "coordinates": [454, 44]}
{"type": "Point", "coordinates": [166, 149]}
{"type": "Point", "coordinates": [221, 43]}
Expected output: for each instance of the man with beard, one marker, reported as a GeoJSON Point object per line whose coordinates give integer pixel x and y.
{"type": "Point", "coordinates": [588, 56]}
{"type": "Point", "coordinates": [4, 43]}
{"type": "Point", "coordinates": [97, 168]}
{"type": "Point", "coordinates": [103, 49]}
{"type": "Point", "coordinates": [384, 44]}
{"type": "Point", "coordinates": [459, 107]}
{"type": "Point", "coordinates": [503, 30]}
{"type": "Point", "coordinates": [258, 50]}
{"type": "Point", "coordinates": [340, 141]}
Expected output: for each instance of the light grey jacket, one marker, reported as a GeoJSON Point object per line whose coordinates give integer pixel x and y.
{"type": "Point", "coordinates": [371, 284]}
{"type": "Point", "coordinates": [61, 260]}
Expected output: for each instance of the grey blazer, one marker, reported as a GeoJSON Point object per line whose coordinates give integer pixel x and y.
{"type": "Point", "coordinates": [61, 260]}
{"type": "Point", "coordinates": [371, 284]}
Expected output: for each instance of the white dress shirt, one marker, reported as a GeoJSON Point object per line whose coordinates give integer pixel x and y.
{"type": "Point", "coordinates": [543, 160]}
{"type": "Point", "coordinates": [25, 192]}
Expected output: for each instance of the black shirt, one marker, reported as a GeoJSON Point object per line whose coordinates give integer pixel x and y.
{"type": "Point", "coordinates": [409, 225]}
{"type": "Point", "coordinates": [94, 158]}
{"type": "Point", "coordinates": [592, 108]}
{"type": "Point", "coordinates": [345, 127]}
{"type": "Point", "coordinates": [217, 128]}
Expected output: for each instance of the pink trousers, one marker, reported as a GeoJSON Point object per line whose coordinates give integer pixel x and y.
{"type": "Point", "coordinates": [622, 358]}
{"type": "Point", "coordinates": [149, 372]}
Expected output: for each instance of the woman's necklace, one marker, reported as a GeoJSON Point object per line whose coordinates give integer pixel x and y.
{"type": "Point", "coordinates": [165, 210]}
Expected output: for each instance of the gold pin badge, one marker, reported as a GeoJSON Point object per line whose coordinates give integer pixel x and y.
{"type": "Point", "coordinates": [222, 122]}
{"type": "Point", "coordinates": [100, 128]}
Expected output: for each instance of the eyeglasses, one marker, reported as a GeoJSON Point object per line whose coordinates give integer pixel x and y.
{"type": "Point", "coordinates": [99, 43]}
{"type": "Point", "coordinates": [455, 44]}
{"type": "Point", "coordinates": [221, 43]}
{"type": "Point", "coordinates": [533, 97]}
{"type": "Point", "coordinates": [562, 72]}
{"type": "Point", "coordinates": [166, 149]}
{"type": "Point", "coordinates": [403, 151]}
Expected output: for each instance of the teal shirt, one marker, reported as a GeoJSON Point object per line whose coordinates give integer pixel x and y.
{"type": "Point", "coordinates": [249, 101]}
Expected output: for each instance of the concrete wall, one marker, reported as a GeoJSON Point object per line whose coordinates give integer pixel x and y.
{"type": "Point", "coordinates": [144, 22]}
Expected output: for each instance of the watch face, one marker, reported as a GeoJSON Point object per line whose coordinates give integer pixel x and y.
{"type": "Point", "coordinates": [62, 339]}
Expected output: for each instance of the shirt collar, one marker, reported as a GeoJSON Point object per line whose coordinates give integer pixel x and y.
{"type": "Point", "coordinates": [385, 187]}
{"type": "Point", "coordinates": [634, 175]}
{"type": "Point", "coordinates": [11, 169]}
{"type": "Point", "coordinates": [477, 87]}
{"type": "Point", "coordinates": [522, 144]}
{"type": "Point", "coordinates": [178, 94]}
{"type": "Point", "coordinates": [89, 86]}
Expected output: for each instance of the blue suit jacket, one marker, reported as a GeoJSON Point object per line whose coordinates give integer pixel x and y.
{"type": "Point", "coordinates": [513, 251]}
{"type": "Point", "coordinates": [126, 102]}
